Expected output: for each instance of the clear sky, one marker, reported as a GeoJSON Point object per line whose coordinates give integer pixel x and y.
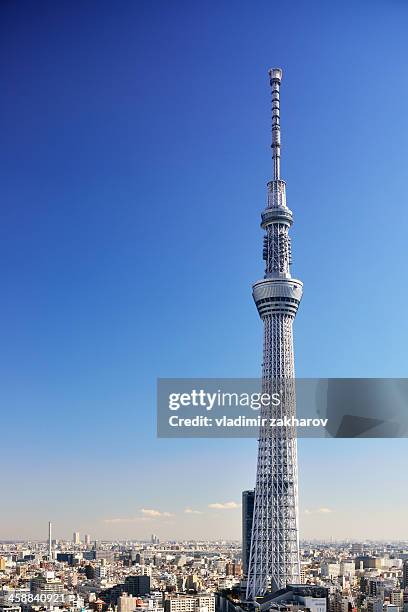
{"type": "Point", "coordinates": [134, 153]}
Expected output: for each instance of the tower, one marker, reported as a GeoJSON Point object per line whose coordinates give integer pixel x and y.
{"type": "Point", "coordinates": [50, 540]}
{"type": "Point", "coordinates": [274, 557]}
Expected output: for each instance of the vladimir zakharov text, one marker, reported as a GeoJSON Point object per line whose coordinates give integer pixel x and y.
{"type": "Point", "coordinates": [242, 421]}
{"type": "Point", "coordinates": [204, 399]}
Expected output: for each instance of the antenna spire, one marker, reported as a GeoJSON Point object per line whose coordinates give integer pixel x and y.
{"type": "Point", "coordinates": [275, 78]}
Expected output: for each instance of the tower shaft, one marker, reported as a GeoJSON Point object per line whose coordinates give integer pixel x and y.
{"type": "Point", "coordinates": [50, 540]}
{"type": "Point", "coordinates": [274, 557]}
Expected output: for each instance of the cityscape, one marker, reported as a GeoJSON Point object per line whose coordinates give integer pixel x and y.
{"type": "Point", "coordinates": [191, 576]}
{"type": "Point", "coordinates": [82, 453]}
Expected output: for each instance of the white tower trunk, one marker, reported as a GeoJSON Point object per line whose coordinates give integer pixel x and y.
{"type": "Point", "coordinates": [274, 558]}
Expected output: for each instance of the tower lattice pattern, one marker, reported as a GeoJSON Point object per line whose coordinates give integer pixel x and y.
{"type": "Point", "coordinates": [274, 557]}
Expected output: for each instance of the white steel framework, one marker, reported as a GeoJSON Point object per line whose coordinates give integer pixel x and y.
{"type": "Point", "coordinates": [274, 557]}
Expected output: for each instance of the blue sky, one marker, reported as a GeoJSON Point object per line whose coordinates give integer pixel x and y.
{"type": "Point", "coordinates": [134, 154]}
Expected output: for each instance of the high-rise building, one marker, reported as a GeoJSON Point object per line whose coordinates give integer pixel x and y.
{"type": "Point", "coordinates": [374, 604]}
{"type": "Point", "coordinates": [137, 585]}
{"type": "Point", "coordinates": [376, 587]}
{"type": "Point", "coordinates": [397, 597]}
{"type": "Point", "coordinates": [233, 569]}
{"type": "Point", "coordinates": [247, 516]}
{"type": "Point", "coordinates": [274, 557]}
{"type": "Point", "coordinates": [66, 558]}
{"type": "Point", "coordinates": [192, 583]}
{"type": "Point", "coordinates": [50, 540]}
{"type": "Point", "coordinates": [46, 584]}
{"type": "Point", "coordinates": [347, 567]}
{"type": "Point", "coordinates": [101, 571]}
{"type": "Point", "coordinates": [368, 562]}
{"type": "Point", "coordinates": [75, 537]}
{"type": "Point", "coordinates": [357, 548]}
{"type": "Point", "coordinates": [405, 574]}
{"type": "Point", "coordinates": [87, 539]}
{"type": "Point", "coordinates": [107, 555]}
{"type": "Point", "coordinates": [330, 569]}
{"type": "Point", "coordinates": [138, 559]}
{"type": "Point", "coordinates": [405, 601]}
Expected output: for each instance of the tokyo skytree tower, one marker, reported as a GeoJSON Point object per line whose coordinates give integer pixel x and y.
{"type": "Point", "coordinates": [274, 556]}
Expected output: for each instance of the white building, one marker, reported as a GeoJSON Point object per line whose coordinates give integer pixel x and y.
{"type": "Point", "coordinates": [330, 570]}
{"type": "Point", "coordinates": [314, 604]}
{"type": "Point", "coordinates": [193, 603]}
{"type": "Point", "coordinates": [126, 603]}
{"type": "Point", "coordinates": [347, 568]}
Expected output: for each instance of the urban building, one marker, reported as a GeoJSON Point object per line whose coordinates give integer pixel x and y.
{"type": "Point", "coordinates": [247, 517]}
{"type": "Point", "coordinates": [347, 568]}
{"type": "Point", "coordinates": [50, 540]}
{"type": "Point", "coordinates": [183, 603]}
{"type": "Point", "coordinates": [330, 570]}
{"type": "Point", "coordinates": [137, 585]}
{"type": "Point", "coordinates": [405, 574]}
{"type": "Point", "coordinates": [397, 597]}
{"type": "Point", "coordinates": [126, 603]}
{"type": "Point", "coordinates": [374, 604]}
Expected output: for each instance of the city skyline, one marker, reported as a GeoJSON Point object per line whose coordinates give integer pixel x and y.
{"type": "Point", "coordinates": [364, 542]}
{"type": "Point", "coordinates": [180, 576]}
{"type": "Point", "coordinates": [84, 540]}
{"type": "Point", "coordinates": [130, 139]}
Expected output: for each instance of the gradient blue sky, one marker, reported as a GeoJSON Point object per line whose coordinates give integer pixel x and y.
{"type": "Point", "coordinates": [134, 153]}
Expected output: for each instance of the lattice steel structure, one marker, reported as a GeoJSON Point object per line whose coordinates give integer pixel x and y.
{"type": "Point", "coordinates": [274, 557]}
